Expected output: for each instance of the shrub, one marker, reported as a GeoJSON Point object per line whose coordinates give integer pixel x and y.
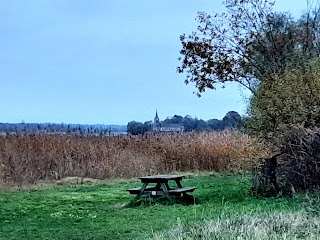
{"type": "Point", "coordinates": [293, 99]}
{"type": "Point", "coordinates": [297, 167]}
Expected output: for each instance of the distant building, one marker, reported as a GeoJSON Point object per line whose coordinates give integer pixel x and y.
{"type": "Point", "coordinates": [166, 127]}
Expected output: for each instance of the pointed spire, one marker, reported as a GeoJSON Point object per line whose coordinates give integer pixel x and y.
{"type": "Point", "coordinates": [156, 118]}
{"type": "Point", "coordinates": [156, 122]}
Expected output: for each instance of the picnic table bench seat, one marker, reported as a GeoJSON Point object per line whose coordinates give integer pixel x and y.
{"type": "Point", "coordinates": [178, 191]}
{"type": "Point", "coordinates": [137, 190]}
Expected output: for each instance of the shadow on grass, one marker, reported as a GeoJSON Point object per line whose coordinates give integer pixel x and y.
{"type": "Point", "coordinates": [151, 201]}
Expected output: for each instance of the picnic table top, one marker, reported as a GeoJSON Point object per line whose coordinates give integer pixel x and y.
{"type": "Point", "coordinates": [162, 177]}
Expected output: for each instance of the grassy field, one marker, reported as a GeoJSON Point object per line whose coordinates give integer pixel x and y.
{"type": "Point", "coordinates": [106, 211]}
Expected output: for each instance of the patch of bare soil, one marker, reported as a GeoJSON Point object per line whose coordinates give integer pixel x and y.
{"type": "Point", "coordinates": [76, 180]}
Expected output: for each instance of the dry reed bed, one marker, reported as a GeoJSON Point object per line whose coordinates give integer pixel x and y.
{"type": "Point", "coordinates": [26, 158]}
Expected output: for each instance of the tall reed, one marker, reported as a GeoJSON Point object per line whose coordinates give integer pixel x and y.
{"type": "Point", "coordinates": [26, 158]}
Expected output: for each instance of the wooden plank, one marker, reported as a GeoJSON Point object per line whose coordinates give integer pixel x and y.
{"type": "Point", "coordinates": [137, 190]}
{"type": "Point", "coordinates": [182, 190]}
{"type": "Point", "coordinates": [155, 193]}
{"type": "Point", "coordinates": [152, 191]}
{"type": "Point", "coordinates": [134, 191]}
{"type": "Point", "coordinates": [147, 192]}
{"type": "Point", "coordinates": [160, 178]}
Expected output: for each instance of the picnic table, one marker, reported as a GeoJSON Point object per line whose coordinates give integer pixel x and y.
{"type": "Point", "coordinates": [161, 187]}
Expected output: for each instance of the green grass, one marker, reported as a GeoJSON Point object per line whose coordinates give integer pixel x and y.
{"type": "Point", "coordinates": [106, 211]}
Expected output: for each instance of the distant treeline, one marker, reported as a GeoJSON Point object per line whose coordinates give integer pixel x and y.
{"type": "Point", "coordinates": [231, 120]}
{"type": "Point", "coordinates": [61, 128]}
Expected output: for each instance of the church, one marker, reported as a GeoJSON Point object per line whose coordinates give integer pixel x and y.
{"type": "Point", "coordinates": [166, 127]}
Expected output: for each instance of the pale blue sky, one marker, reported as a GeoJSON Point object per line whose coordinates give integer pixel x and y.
{"type": "Point", "coordinates": [103, 61]}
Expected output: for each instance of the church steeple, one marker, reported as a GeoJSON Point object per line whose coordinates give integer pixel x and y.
{"type": "Point", "coordinates": [156, 115]}
{"type": "Point", "coordinates": [156, 122]}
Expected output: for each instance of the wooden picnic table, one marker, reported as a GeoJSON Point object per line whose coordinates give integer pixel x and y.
{"type": "Point", "coordinates": [161, 187]}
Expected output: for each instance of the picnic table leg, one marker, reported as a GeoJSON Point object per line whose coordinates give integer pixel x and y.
{"type": "Point", "coordinates": [158, 186]}
{"type": "Point", "coordinates": [143, 188]}
{"type": "Point", "coordinates": [165, 190]}
{"type": "Point", "coordinates": [180, 186]}
{"type": "Point", "coordinates": [178, 183]}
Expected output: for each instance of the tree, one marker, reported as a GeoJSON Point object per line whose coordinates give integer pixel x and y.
{"type": "Point", "coordinates": [136, 128]}
{"type": "Point", "coordinates": [174, 119]}
{"type": "Point", "coordinates": [189, 123]}
{"type": "Point", "coordinates": [215, 124]}
{"type": "Point", "coordinates": [263, 51]}
{"type": "Point", "coordinates": [148, 126]}
{"type": "Point", "coordinates": [293, 99]}
{"type": "Point", "coordinates": [231, 120]}
{"type": "Point", "coordinates": [247, 44]}
{"type": "Point", "coordinates": [201, 125]}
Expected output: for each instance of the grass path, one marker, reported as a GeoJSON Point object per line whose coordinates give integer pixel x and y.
{"type": "Point", "coordinates": [101, 211]}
